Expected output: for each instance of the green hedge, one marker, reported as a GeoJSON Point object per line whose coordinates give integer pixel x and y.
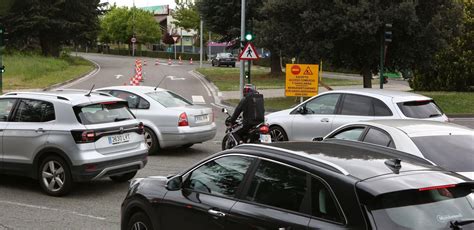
{"type": "Point", "coordinates": [142, 53]}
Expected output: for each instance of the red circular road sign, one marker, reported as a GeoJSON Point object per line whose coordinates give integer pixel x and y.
{"type": "Point", "coordinates": [134, 40]}
{"type": "Point", "coordinates": [295, 69]}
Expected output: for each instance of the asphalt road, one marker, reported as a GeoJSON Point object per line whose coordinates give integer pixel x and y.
{"type": "Point", "coordinates": [96, 205]}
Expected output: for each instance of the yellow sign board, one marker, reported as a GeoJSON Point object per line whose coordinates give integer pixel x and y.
{"type": "Point", "coordinates": [301, 80]}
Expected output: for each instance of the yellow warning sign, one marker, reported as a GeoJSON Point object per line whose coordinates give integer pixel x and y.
{"type": "Point", "coordinates": [301, 80]}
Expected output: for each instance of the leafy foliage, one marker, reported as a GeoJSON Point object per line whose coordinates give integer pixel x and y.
{"type": "Point", "coordinates": [121, 23]}
{"type": "Point", "coordinates": [186, 15]}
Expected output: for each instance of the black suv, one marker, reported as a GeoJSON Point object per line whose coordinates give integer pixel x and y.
{"type": "Point", "coordinates": [303, 185]}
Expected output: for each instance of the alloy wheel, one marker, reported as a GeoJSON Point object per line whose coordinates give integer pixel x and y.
{"type": "Point", "coordinates": [53, 176]}
{"type": "Point", "coordinates": [139, 226]}
{"type": "Point", "coordinates": [148, 139]}
{"type": "Point", "coordinates": [277, 135]}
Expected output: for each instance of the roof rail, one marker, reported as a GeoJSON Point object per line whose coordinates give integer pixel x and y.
{"type": "Point", "coordinates": [38, 93]}
{"type": "Point", "coordinates": [83, 91]}
{"type": "Point", "coordinates": [335, 166]}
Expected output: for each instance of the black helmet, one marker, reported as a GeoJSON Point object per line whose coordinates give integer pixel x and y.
{"type": "Point", "coordinates": [249, 89]}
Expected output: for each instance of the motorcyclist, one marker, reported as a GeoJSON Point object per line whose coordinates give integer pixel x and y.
{"type": "Point", "coordinates": [252, 108]}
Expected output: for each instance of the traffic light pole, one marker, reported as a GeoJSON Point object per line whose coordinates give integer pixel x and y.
{"type": "Point", "coordinates": [382, 59]}
{"type": "Point", "coordinates": [242, 40]}
{"type": "Point", "coordinates": [250, 64]}
{"type": "Point", "coordinates": [2, 68]}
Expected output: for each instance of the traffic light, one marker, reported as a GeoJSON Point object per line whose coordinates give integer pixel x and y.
{"type": "Point", "coordinates": [388, 32]}
{"type": "Point", "coordinates": [2, 69]}
{"type": "Point", "coordinates": [249, 36]}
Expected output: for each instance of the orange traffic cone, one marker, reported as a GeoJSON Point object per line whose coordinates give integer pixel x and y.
{"type": "Point", "coordinates": [169, 61]}
{"type": "Point", "coordinates": [191, 61]}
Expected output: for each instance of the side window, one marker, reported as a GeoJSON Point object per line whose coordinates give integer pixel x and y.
{"type": "Point", "coordinates": [356, 105]}
{"type": "Point", "coordinates": [323, 204]}
{"type": "Point", "coordinates": [222, 176]}
{"type": "Point", "coordinates": [380, 108]}
{"type": "Point", "coordinates": [143, 104]}
{"type": "Point", "coordinates": [132, 99]}
{"type": "Point", "coordinates": [279, 186]}
{"type": "Point", "coordinates": [6, 106]}
{"type": "Point", "coordinates": [352, 133]}
{"type": "Point", "coordinates": [325, 104]}
{"type": "Point", "coordinates": [34, 111]}
{"type": "Point", "coordinates": [378, 137]}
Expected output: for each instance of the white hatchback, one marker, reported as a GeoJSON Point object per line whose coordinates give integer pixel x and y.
{"type": "Point", "coordinates": [325, 112]}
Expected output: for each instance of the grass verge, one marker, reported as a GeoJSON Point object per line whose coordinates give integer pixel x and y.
{"type": "Point", "coordinates": [454, 103]}
{"type": "Point", "coordinates": [227, 79]}
{"type": "Point", "coordinates": [32, 71]}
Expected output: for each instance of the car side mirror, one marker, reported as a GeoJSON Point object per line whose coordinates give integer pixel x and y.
{"type": "Point", "coordinates": [174, 183]}
{"type": "Point", "coordinates": [224, 110]}
{"type": "Point", "coordinates": [301, 110]}
{"type": "Point", "coordinates": [318, 139]}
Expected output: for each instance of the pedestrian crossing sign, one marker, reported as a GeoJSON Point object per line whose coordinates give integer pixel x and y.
{"type": "Point", "coordinates": [249, 52]}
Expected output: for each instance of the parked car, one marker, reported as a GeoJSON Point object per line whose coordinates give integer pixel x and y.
{"type": "Point", "coordinates": [226, 59]}
{"type": "Point", "coordinates": [447, 145]}
{"type": "Point", "coordinates": [302, 185]}
{"type": "Point", "coordinates": [63, 137]}
{"type": "Point", "coordinates": [325, 112]}
{"type": "Point", "coordinates": [170, 120]}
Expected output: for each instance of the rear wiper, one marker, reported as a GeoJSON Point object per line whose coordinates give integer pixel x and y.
{"type": "Point", "coordinates": [121, 119]}
{"type": "Point", "coordinates": [456, 224]}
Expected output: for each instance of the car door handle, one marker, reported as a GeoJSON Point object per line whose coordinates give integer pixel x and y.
{"type": "Point", "coordinates": [325, 120]}
{"type": "Point", "coordinates": [40, 130]}
{"type": "Point", "coordinates": [216, 213]}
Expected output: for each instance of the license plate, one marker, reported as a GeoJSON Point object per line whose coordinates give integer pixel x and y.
{"type": "Point", "coordinates": [265, 138]}
{"type": "Point", "coordinates": [118, 139]}
{"type": "Point", "coordinates": [201, 118]}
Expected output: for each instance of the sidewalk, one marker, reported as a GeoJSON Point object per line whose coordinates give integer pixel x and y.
{"type": "Point", "coordinates": [396, 85]}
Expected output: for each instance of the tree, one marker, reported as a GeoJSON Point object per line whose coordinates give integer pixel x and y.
{"type": "Point", "coordinates": [348, 33]}
{"type": "Point", "coordinates": [186, 15]}
{"type": "Point", "coordinates": [51, 23]}
{"type": "Point", "coordinates": [120, 24]}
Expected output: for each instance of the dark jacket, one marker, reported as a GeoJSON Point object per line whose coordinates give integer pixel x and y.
{"type": "Point", "coordinates": [253, 110]}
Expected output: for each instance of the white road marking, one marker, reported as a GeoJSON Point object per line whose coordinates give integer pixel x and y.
{"type": "Point", "coordinates": [118, 76]}
{"type": "Point", "coordinates": [52, 209]}
{"type": "Point", "coordinates": [173, 78]}
{"type": "Point", "coordinates": [203, 83]}
{"type": "Point", "coordinates": [198, 99]}
{"type": "Point", "coordinates": [91, 74]}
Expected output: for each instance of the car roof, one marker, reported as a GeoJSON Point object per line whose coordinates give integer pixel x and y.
{"type": "Point", "coordinates": [415, 127]}
{"type": "Point", "coordinates": [134, 89]}
{"type": "Point", "coordinates": [359, 160]}
{"type": "Point", "coordinates": [383, 93]}
{"type": "Point", "coordinates": [74, 97]}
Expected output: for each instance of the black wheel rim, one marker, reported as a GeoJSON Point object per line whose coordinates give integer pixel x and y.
{"type": "Point", "coordinates": [277, 135]}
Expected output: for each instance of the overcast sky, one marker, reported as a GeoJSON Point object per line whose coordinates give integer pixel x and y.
{"type": "Point", "coordinates": [141, 3]}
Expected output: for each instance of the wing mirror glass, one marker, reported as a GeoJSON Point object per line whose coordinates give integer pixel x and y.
{"type": "Point", "coordinates": [301, 110]}
{"type": "Point", "coordinates": [175, 183]}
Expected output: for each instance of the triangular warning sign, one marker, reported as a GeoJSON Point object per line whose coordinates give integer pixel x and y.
{"type": "Point", "coordinates": [249, 53]}
{"type": "Point", "coordinates": [308, 71]}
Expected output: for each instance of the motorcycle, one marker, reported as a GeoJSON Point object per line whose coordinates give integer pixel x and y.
{"type": "Point", "coordinates": [258, 134]}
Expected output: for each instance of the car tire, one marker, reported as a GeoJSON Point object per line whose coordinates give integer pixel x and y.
{"type": "Point", "coordinates": [151, 141]}
{"type": "Point", "coordinates": [233, 65]}
{"type": "Point", "coordinates": [139, 221]}
{"type": "Point", "coordinates": [55, 176]}
{"type": "Point", "coordinates": [212, 63]}
{"type": "Point", "coordinates": [278, 134]}
{"type": "Point", "coordinates": [123, 177]}
{"type": "Point", "coordinates": [226, 145]}
{"type": "Point", "coordinates": [187, 146]}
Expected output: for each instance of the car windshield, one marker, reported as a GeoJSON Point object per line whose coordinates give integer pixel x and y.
{"type": "Point", "coordinates": [420, 109]}
{"type": "Point", "coordinates": [451, 152]}
{"type": "Point", "coordinates": [168, 99]}
{"type": "Point", "coordinates": [225, 55]}
{"type": "Point", "coordinates": [103, 113]}
{"type": "Point", "coordinates": [422, 209]}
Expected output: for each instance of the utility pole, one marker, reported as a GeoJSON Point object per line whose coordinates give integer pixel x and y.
{"type": "Point", "coordinates": [2, 68]}
{"type": "Point", "coordinates": [200, 43]}
{"type": "Point", "coordinates": [385, 38]}
{"type": "Point", "coordinates": [208, 46]}
{"type": "Point", "coordinates": [242, 40]}
{"type": "Point", "coordinates": [133, 28]}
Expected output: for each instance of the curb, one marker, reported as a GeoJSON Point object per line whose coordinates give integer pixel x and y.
{"type": "Point", "coordinates": [57, 85]}
{"type": "Point", "coordinates": [460, 115]}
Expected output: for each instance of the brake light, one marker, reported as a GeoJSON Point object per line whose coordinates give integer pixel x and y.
{"type": "Point", "coordinates": [88, 136]}
{"type": "Point", "coordinates": [437, 187]}
{"type": "Point", "coordinates": [183, 120]}
{"type": "Point", "coordinates": [141, 128]}
{"type": "Point", "coordinates": [263, 129]}
{"type": "Point", "coordinates": [108, 102]}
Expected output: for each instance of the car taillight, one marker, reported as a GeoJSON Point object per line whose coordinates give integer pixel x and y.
{"type": "Point", "coordinates": [437, 187]}
{"type": "Point", "coordinates": [183, 120]}
{"type": "Point", "coordinates": [141, 128]}
{"type": "Point", "coordinates": [213, 116]}
{"type": "Point", "coordinates": [83, 136]}
{"type": "Point", "coordinates": [263, 129]}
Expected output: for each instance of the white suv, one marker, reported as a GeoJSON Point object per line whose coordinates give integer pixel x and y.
{"type": "Point", "coordinates": [63, 137]}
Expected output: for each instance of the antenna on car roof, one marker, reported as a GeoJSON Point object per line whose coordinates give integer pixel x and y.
{"type": "Point", "coordinates": [90, 91]}
{"type": "Point", "coordinates": [160, 82]}
{"type": "Point", "coordinates": [394, 165]}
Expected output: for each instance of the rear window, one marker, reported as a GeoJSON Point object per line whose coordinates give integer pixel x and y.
{"type": "Point", "coordinates": [420, 109]}
{"type": "Point", "coordinates": [422, 209]}
{"type": "Point", "coordinates": [103, 113]}
{"type": "Point", "coordinates": [452, 152]}
{"type": "Point", "coordinates": [224, 55]}
{"type": "Point", "coordinates": [168, 99]}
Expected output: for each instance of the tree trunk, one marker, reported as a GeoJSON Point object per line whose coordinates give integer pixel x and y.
{"type": "Point", "coordinates": [49, 47]}
{"type": "Point", "coordinates": [367, 74]}
{"type": "Point", "coordinates": [275, 67]}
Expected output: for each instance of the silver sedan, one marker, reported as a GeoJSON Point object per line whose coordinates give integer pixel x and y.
{"type": "Point", "coordinates": [170, 120]}
{"type": "Point", "coordinates": [445, 144]}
